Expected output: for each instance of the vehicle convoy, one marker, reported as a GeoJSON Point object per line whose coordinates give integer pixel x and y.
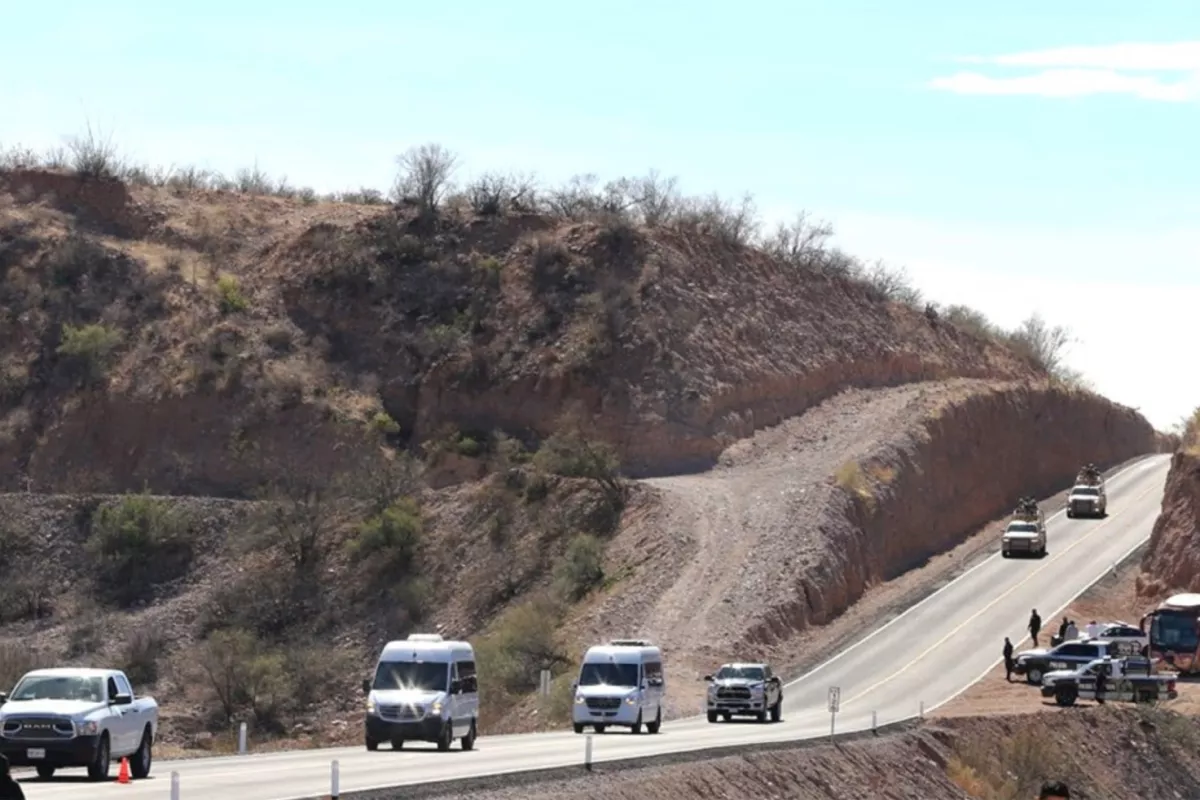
{"type": "Point", "coordinates": [1026, 533]}
{"type": "Point", "coordinates": [1174, 629]}
{"type": "Point", "coordinates": [1088, 497]}
{"type": "Point", "coordinates": [76, 717]}
{"type": "Point", "coordinates": [620, 683]}
{"type": "Point", "coordinates": [741, 689]}
{"type": "Point", "coordinates": [1128, 680]}
{"type": "Point", "coordinates": [425, 689]}
{"type": "Point", "coordinates": [1035, 663]}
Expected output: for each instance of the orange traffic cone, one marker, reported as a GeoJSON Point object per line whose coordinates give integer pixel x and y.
{"type": "Point", "coordinates": [123, 775]}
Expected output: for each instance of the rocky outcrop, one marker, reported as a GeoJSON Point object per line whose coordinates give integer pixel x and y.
{"type": "Point", "coordinates": [1172, 560]}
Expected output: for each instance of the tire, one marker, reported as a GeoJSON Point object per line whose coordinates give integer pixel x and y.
{"type": "Point", "coordinates": [397, 744]}
{"type": "Point", "coordinates": [102, 762]}
{"type": "Point", "coordinates": [139, 764]}
{"type": "Point", "coordinates": [45, 771]}
{"type": "Point", "coordinates": [1070, 515]}
{"type": "Point", "coordinates": [446, 738]}
{"type": "Point", "coordinates": [371, 744]}
{"type": "Point", "coordinates": [1005, 554]}
{"type": "Point", "coordinates": [600, 728]}
{"type": "Point", "coordinates": [636, 727]}
{"type": "Point", "coordinates": [761, 717]}
{"type": "Point", "coordinates": [654, 727]}
{"type": "Point", "coordinates": [1065, 696]}
{"type": "Point", "coordinates": [1034, 676]}
{"type": "Point", "coordinates": [468, 741]}
{"type": "Point", "coordinates": [725, 715]}
{"type": "Point", "coordinates": [712, 716]}
{"type": "Point", "coordinates": [578, 727]}
{"type": "Point", "coordinates": [777, 710]}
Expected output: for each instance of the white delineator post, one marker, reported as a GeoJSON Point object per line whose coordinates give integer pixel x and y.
{"type": "Point", "coordinates": [174, 786]}
{"type": "Point", "coordinates": [873, 725]}
{"type": "Point", "coordinates": [242, 739]}
{"type": "Point", "coordinates": [922, 713]}
{"type": "Point", "coordinates": [587, 752]}
{"type": "Point", "coordinates": [334, 789]}
{"type": "Point", "coordinates": [835, 702]}
{"type": "Point", "coordinates": [544, 683]}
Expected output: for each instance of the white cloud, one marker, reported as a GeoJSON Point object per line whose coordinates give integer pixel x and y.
{"type": "Point", "coordinates": [1085, 71]}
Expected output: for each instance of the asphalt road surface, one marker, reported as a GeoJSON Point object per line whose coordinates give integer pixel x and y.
{"type": "Point", "coordinates": [927, 655]}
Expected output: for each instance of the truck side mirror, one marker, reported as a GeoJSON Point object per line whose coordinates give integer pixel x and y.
{"type": "Point", "coordinates": [3, 697]}
{"type": "Point", "coordinates": [121, 699]}
{"type": "Point", "coordinates": [708, 678]}
{"type": "Point", "coordinates": [366, 686]}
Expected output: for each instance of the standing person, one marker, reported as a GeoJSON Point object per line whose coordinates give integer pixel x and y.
{"type": "Point", "coordinates": [1035, 626]}
{"type": "Point", "coordinates": [1101, 681]}
{"type": "Point", "coordinates": [1008, 660]}
{"type": "Point", "coordinates": [1093, 630]}
{"type": "Point", "coordinates": [1072, 632]}
{"type": "Point", "coordinates": [1054, 790]}
{"type": "Point", "coordinates": [1062, 632]}
{"type": "Point", "coordinates": [9, 789]}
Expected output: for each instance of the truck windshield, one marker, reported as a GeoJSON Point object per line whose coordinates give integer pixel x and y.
{"type": "Point", "coordinates": [1022, 527]}
{"type": "Point", "coordinates": [1090, 491]}
{"type": "Point", "coordinates": [608, 674]}
{"type": "Point", "coordinates": [1175, 631]}
{"type": "Point", "coordinates": [745, 673]}
{"type": "Point", "coordinates": [423, 676]}
{"type": "Point", "coordinates": [45, 687]}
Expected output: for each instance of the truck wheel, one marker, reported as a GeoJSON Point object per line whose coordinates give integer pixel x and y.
{"type": "Point", "coordinates": [777, 710]}
{"type": "Point", "coordinates": [1005, 553]}
{"type": "Point", "coordinates": [712, 716]}
{"type": "Point", "coordinates": [1070, 514]}
{"type": "Point", "coordinates": [1034, 676]}
{"type": "Point", "coordinates": [652, 727]}
{"type": "Point", "coordinates": [98, 769]}
{"type": "Point", "coordinates": [139, 765]}
{"type": "Point", "coordinates": [372, 745]}
{"type": "Point", "coordinates": [45, 771]}
{"type": "Point", "coordinates": [1065, 696]}
{"type": "Point", "coordinates": [397, 744]}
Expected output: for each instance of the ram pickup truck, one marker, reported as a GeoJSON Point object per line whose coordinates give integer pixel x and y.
{"type": "Point", "coordinates": [1129, 680]}
{"type": "Point", "coordinates": [744, 690]}
{"type": "Point", "coordinates": [68, 717]}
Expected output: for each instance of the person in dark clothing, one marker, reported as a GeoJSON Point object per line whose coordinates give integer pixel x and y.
{"type": "Point", "coordinates": [1008, 660]}
{"type": "Point", "coordinates": [9, 789]}
{"type": "Point", "coordinates": [1101, 682]}
{"type": "Point", "coordinates": [1054, 790]}
{"type": "Point", "coordinates": [1062, 632]}
{"type": "Point", "coordinates": [1035, 626]}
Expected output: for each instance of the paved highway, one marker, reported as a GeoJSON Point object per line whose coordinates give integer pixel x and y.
{"type": "Point", "coordinates": [929, 654]}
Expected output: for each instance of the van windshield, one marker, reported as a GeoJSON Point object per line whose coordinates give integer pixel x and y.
{"type": "Point", "coordinates": [609, 674]}
{"type": "Point", "coordinates": [427, 676]}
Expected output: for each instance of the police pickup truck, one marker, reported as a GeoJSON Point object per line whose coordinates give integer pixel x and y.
{"type": "Point", "coordinates": [1034, 664]}
{"type": "Point", "coordinates": [1129, 680]}
{"type": "Point", "coordinates": [744, 690]}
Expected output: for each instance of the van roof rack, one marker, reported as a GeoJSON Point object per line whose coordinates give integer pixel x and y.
{"type": "Point", "coordinates": [425, 637]}
{"type": "Point", "coordinates": [629, 643]}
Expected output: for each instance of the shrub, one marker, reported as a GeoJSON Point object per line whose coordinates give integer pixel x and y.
{"type": "Point", "coordinates": [391, 539]}
{"type": "Point", "coordinates": [89, 349]}
{"type": "Point", "coordinates": [230, 297]}
{"type": "Point", "coordinates": [582, 568]}
{"type": "Point", "coordinates": [17, 658]}
{"type": "Point", "coordinates": [140, 655]}
{"type": "Point", "coordinates": [424, 176]}
{"type": "Point", "coordinates": [136, 545]}
{"type": "Point", "coordinates": [571, 455]}
{"type": "Point", "coordinates": [241, 673]}
{"type": "Point", "coordinates": [521, 644]}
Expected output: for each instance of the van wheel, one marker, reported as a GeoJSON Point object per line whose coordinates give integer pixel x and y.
{"type": "Point", "coordinates": [397, 744]}
{"type": "Point", "coordinates": [468, 741]}
{"type": "Point", "coordinates": [372, 745]}
{"type": "Point", "coordinates": [578, 727]}
{"type": "Point", "coordinates": [712, 716]}
{"type": "Point", "coordinates": [45, 771]}
{"type": "Point", "coordinates": [1005, 554]}
{"type": "Point", "coordinates": [637, 725]}
{"type": "Point", "coordinates": [599, 728]}
{"type": "Point", "coordinates": [653, 727]}
{"type": "Point", "coordinates": [446, 738]}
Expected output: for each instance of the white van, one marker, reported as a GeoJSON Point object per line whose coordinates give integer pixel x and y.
{"type": "Point", "coordinates": [425, 689]}
{"type": "Point", "coordinates": [621, 683]}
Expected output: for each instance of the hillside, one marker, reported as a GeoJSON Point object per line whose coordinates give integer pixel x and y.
{"type": "Point", "coordinates": [347, 419]}
{"type": "Point", "coordinates": [1172, 560]}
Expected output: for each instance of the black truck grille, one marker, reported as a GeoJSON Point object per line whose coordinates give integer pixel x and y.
{"type": "Point", "coordinates": [733, 693]}
{"type": "Point", "coordinates": [603, 703]}
{"type": "Point", "coordinates": [38, 728]}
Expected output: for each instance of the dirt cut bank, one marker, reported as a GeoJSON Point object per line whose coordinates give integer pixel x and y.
{"type": "Point", "coordinates": [1172, 560]}
{"type": "Point", "coordinates": [1102, 754]}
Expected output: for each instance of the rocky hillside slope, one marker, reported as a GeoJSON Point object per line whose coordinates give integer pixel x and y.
{"type": "Point", "coordinates": [1172, 560]}
{"type": "Point", "coordinates": [1100, 753]}
{"type": "Point", "coordinates": [373, 418]}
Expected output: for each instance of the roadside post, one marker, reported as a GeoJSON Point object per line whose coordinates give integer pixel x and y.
{"type": "Point", "coordinates": [587, 753]}
{"type": "Point", "coordinates": [835, 702]}
{"type": "Point", "coordinates": [242, 739]}
{"type": "Point", "coordinates": [544, 683]}
{"type": "Point", "coordinates": [334, 789]}
{"type": "Point", "coordinates": [174, 786]}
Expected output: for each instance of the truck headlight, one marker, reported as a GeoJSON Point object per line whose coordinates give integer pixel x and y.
{"type": "Point", "coordinates": [631, 700]}
{"type": "Point", "coordinates": [86, 727]}
{"type": "Point", "coordinates": [579, 700]}
{"type": "Point", "coordinates": [371, 709]}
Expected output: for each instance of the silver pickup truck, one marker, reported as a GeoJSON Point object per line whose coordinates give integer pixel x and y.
{"type": "Point", "coordinates": [1128, 680]}
{"type": "Point", "coordinates": [68, 717]}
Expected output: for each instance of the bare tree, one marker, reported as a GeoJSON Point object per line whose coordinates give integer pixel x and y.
{"type": "Point", "coordinates": [577, 199]}
{"type": "Point", "coordinates": [493, 193]}
{"type": "Point", "coordinates": [657, 198]}
{"type": "Point", "coordinates": [736, 225]}
{"type": "Point", "coordinates": [425, 173]}
{"type": "Point", "coordinates": [300, 514]}
{"type": "Point", "coordinates": [1044, 346]}
{"type": "Point", "coordinates": [800, 243]}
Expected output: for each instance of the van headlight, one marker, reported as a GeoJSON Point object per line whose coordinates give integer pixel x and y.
{"type": "Point", "coordinates": [86, 727]}
{"type": "Point", "coordinates": [371, 709]}
{"type": "Point", "coordinates": [436, 708]}
{"type": "Point", "coordinates": [579, 700]}
{"type": "Point", "coordinates": [631, 700]}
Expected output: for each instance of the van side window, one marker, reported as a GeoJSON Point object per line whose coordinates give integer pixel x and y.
{"type": "Point", "coordinates": [467, 676]}
{"type": "Point", "coordinates": [653, 670]}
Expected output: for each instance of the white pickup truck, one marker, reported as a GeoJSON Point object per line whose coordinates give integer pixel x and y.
{"type": "Point", "coordinates": [1128, 680]}
{"type": "Point", "coordinates": [68, 717]}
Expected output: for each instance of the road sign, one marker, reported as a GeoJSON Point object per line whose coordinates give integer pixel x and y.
{"type": "Point", "coordinates": [835, 699]}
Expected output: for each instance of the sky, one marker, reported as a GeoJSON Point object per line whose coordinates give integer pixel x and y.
{"type": "Point", "coordinates": [1027, 157]}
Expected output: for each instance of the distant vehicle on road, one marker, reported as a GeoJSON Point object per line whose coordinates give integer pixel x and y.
{"type": "Point", "coordinates": [77, 717]}
{"type": "Point", "coordinates": [1174, 632]}
{"type": "Point", "coordinates": [1088, 498]}
{"type": "Point", "coordinates": [425, 689]}
{"type": "Point", "coordinates": [620, 683]}
{"type": "Point", "coordinates": [742, 689]}
{"type": "Point", "coordinates": [1026, 533]}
